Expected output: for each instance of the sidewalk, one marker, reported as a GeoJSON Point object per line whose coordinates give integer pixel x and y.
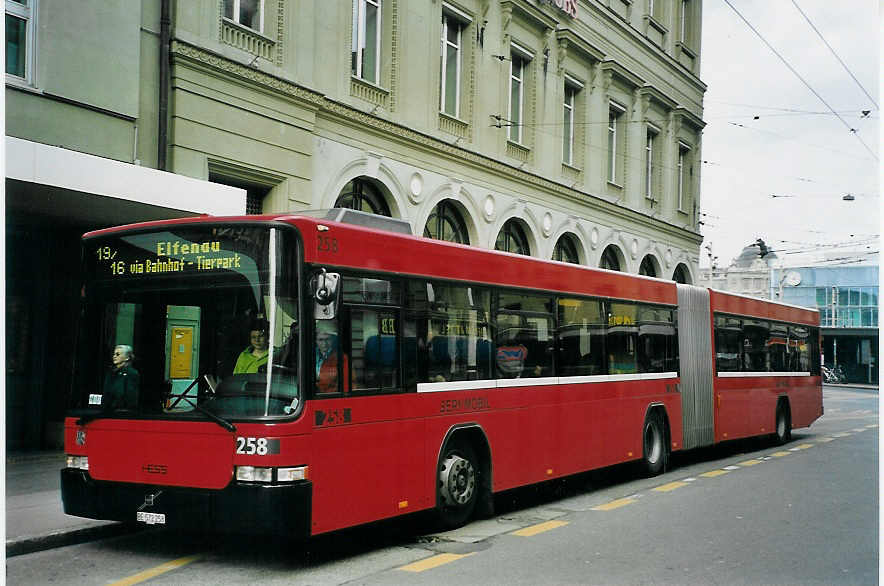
{"type": "Point", "coordinates": [34, 517]}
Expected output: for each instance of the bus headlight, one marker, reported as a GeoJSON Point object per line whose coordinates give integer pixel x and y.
{"type": "Point", "coordinates": [259, 474]}
{"type": "Point", "coordinates": [291, 474]}
{"type": "Point", "coordinates": [254, 474]}
{"type": "Point", "coordinates": [78, 462]}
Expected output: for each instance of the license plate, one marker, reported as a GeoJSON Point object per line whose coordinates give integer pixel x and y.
{"type": "Point", "coordinates": [151, 518]}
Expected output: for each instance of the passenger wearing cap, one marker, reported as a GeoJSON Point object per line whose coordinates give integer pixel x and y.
{"type": "Point", "coordinates": [327, 359]}
{"type": "Point", "coordinates": [255, 356]}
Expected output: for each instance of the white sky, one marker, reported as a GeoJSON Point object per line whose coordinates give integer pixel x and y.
{"type": "Point", "coordinates": [810, 155]}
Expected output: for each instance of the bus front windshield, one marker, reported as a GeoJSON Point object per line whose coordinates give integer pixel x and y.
{"type": "Point", "coordinates": [190, 322]}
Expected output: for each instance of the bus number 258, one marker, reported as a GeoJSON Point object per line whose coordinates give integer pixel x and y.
{"type": "Point", "coordinates": [261, 446]}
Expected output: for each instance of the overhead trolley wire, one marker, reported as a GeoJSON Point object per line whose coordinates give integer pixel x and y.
{"type": "Point", "coordinates": [804, 81]}
{"type": "Point", "coordinates": [847, 69]}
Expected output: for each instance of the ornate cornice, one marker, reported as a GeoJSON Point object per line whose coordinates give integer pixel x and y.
{"type": "Point", "coordinates": [365, 121]}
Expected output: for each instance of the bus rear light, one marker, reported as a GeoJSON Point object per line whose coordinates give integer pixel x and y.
{"type": "Point", "coordinates": [79, 462]}
{"type": "Point", "coordinates": [254, 474]}
{"type": "Point", "coordinates": [291, 474]}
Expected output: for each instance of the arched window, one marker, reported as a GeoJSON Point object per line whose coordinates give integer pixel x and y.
{"type": "Point", "coordinates": [363, 194]}
{"type": "Point", "coordinates": [566, 250]}
{"type": "Point", "coordinates": [446, 223]}
{"type": "Point", "coordinates": [647, 267]}
{"type": "Point", "coordinates": [512, 239]}
{"type": "Point", "coordinates": [681, 275]}
{"type": "Point", "coordinates": [610, 260]}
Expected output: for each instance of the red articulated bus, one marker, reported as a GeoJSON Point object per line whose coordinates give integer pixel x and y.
{"type": "Point", "coordinates": [297, 374]}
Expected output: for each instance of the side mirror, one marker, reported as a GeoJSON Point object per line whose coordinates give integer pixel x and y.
{"type": "Point", "coordinates": [326, 294]}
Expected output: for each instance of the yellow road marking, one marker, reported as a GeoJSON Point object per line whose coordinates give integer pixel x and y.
{"type": "Point", "coordinates": [750, 462]}
{"type": "Point", "coordinates": [614, 504]}
{"type": "Point", "coordinates": [842, 434]}
{"type": "Point", "coordinates": [670, 486]}
{"type": "Point", "coordinates": [803, 446]}
{"type": "Point", "coordinates": [825, 440]}
{"type": "Point", "coordinates": [153, 572]}
{"type": "Point", "coordinates": [539, 528]}
{"type": "Point", "coordinates": [872, 426]}
{"type": "Point", "coordinates": [780, 454]}
{"type": "Point", "coordinates": [713, 473]}
{"type": "Point", "coordinates": [434, 562]}
{"type": "Point", "coordinates": [859, 429]}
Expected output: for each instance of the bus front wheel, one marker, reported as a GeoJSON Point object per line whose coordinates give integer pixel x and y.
{"type": "Point", "coordinates": [458, 485]}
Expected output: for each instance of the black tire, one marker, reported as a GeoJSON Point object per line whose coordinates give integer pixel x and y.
{"type": "Point", "coordinates": [783, 424]}
{"type": "Point", "coordinates": [457, 485]}
{"type": "Point", "coordinates": [655, 452]}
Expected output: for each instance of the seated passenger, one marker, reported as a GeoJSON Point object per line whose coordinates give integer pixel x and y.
{"type": "Point", "coordinates": [253, 358]}
{"type": "Point", "coordinates": [510, 357]}
{"type": "Point", "coordinates": [328, 358]}
{"type": "Point", "coordinates": [122, 381]}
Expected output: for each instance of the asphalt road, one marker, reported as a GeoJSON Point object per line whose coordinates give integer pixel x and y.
{"type": "Point", "coordinates": [743, 513]}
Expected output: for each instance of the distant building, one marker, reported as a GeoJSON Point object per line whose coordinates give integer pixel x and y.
{"type": "Point", "coordinates": [748, 274]}
{"type": "Point", "coordinates": [847, 299]}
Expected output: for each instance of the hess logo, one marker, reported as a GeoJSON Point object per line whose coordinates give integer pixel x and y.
{"type": "Point", "coordinates": [155, 468]}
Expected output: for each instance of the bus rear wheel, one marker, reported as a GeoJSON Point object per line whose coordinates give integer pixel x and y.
{"type": "Point", "coordinates": [783, 430]}
{"type": "Point", "coordinates": [654, 448]}
{"type": "Point", "coordinates": [458, 485]}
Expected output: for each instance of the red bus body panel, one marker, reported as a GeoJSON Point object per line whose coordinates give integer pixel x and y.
{"type": "Point", "coordinates": [746, 406]}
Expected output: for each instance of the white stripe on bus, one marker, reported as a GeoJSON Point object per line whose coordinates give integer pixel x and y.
{"type": "Point", "coordinates": [465, 385]}
{"type": "Point", "coordinates": [759, 374]}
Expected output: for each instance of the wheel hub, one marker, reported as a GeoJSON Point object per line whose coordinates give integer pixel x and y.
{"type": "Point", "coordinates": [457, 480]}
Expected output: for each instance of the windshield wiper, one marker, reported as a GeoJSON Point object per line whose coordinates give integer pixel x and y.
{"type": "Point", "coordinates": [216, 418]}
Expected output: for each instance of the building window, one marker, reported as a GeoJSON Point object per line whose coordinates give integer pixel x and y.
{"type": "Point", "coordinates": [446, 223]}
{"type": "Point", "coordinates": [684, 175]}
{"type": "Point", "coordinates": [566, 250]}
{"type": "Point", "coordinates": [686, 23]}
{"type": "Point", "coordinates": [615, 123]}
{"type": "Point", "coordinates": [20, 39]}
{"type": "Point", "coordinates": [647, 267]}
{"type": "Point", "coordinates": [512, 239]}
{"type": "Point", "coordinates": [362, 194]}
{"type": "Point", "coordinates": [610, 259]}
{"type": "Point", "coordinates": [651, 163]}
{"type": "Point", "coordinates": [681, 275]}
{"type": "Point", "coordinates": [655, 9]}
{"type": "Point", "coordinates": [248, 13]}
{"type": "Point", "coordinates": [568, 124]}
{"type": "Point", "coordinates": [366, 40]}
{"type": "Point", "coordinates": [452, 51]}
{"type": "Point", "coordinates": [514, 114]}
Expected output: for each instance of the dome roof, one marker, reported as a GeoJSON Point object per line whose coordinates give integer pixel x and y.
{"type": "Point", "coordinates": [752, 253]}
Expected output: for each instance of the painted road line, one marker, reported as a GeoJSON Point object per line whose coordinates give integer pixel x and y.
{"type": "Point", "coordinates": [670, 486]}
{"type": "Point", "coordinates": [842, 434]}
{"type": "Point", "coordinates": [780, 454]}
{"type": "Point", "coordinates": [748, 463]}
{"type": "Point", "coordinates": [692, 479]}
{"type": "Point", "coordinates": [713, 473]}
{"type": "Point", "coordinates": [539, 528]}
{"type": "Point", "coordinates": [614, 504]}
{"type": "Point", "coordinates": [859, 429]}
{"type": "Point", "coordinates": [731, 468]}
{"type": "Point", "coordinates": [434, 562]}
{"type": "Point", "coordinates": [154, 572]}
{"type": "Point", "coordinates": [872, 426]}
{"type": "Point", "coordinates": [800, 447]}
{"type": "Point", "coordinates": [825, 440]}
